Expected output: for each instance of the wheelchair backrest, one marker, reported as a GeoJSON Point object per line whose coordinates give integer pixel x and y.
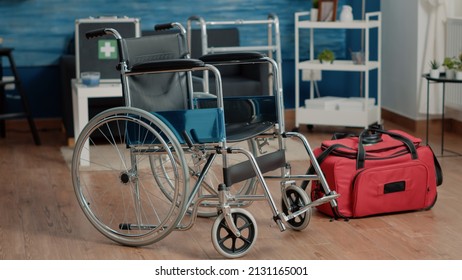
{"type": "Point", "coordinates": [156, 92]}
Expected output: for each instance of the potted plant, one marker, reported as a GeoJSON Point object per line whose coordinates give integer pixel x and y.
{"type": "Point", "coordinates": [435, 69]}
{"type": "Point", "coordinates": [326, 56]}
{"type": "Point", "coordinates": [449, 64]}
{"type": "Point", "coordinates": [314, 10]}
{"type": "Point", "coordinates": [458, 69]}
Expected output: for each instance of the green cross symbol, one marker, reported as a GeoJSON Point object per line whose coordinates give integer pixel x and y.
{"type": "Point", "coordinates": [107, 49]}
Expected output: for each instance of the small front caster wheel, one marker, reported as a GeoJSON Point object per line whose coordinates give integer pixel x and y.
{"type": "Point", "coordinates": [228, 244]}
{"type": "Point", "coordinates": [294, 200]}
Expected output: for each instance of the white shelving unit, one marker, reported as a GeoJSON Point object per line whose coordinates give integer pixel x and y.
{"type": "Point", "coordinates": [321, 116]}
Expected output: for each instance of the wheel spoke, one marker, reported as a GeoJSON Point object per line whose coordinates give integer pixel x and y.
{"type": "Point", "coordinates": [225, 227]}
{"type": "Point", "coordinates": [222, 240]}
{"type": "Point", "coordinates": [246, 240]}
{"type": "Point", "coordinates": [233, 246]}
{"type": "Point", "coordinates": [246, 225]}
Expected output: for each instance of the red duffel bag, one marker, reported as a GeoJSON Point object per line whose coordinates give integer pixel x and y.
{"type": "Point", "coordinates": [377, 172]}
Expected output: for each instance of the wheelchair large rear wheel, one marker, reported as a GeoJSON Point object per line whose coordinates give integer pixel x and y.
{"type": "Point", "coordinates": [115, 184]}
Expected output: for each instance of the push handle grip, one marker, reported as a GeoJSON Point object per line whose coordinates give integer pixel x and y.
{"type": "Point", "coordinates": [163, 26]}
{"type": "Point", "coordinates": [198, 18]}
{"type": "Point", "coordinates": [96, 33]}
{"type": "Point", "coordinates": [102, 32]}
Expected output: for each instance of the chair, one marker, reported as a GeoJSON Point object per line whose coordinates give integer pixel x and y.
{"type": "Point", "coordinates": [236, 78]}
{"type": "Point", "coordinates": [171, 154]}
{"type": "Point", "coordinates": [8, 52]}
{"type": "Point", "coordinates": [214, 37]}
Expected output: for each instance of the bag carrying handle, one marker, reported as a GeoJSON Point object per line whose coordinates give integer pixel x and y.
{"type": "Point", "coordinates": [361, 157]}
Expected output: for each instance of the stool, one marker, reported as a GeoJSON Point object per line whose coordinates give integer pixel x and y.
{"type": "Point", "coordinates": [17, 82]}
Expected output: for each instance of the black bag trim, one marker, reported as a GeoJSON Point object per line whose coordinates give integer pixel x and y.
{"type": "Point", "coordinates": [393, 187]}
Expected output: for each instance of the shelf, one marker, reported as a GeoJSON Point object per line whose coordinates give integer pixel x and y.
{"type": "Point", "coordinates": [104, 89]}
{"type": "Point", "coordinates": [338, 65]}
{"type": "Point", "coordinates": [347, 115]}
{"type": "Point", "coordinates": [350, 118]}
{"type": "Point", "coordinates": [356, 24]}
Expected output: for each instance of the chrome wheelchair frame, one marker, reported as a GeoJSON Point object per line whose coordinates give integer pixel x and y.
{"type": "Point", "coordinates": [135, 187]}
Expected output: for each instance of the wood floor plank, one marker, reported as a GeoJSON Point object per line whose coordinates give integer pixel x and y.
{"type": "Point", "coordinates": [41, 219]}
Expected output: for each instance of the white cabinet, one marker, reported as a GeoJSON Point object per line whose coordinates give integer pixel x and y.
{"type": "Point", "coordinates": [353, 116]}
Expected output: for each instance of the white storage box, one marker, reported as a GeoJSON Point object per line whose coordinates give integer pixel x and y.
{"type": "Point", "coordinates": [324, 103]}
{"type": "Point", "coordinates": [101, 54]}
{"type": "Point", "coordinates": [355, 104]}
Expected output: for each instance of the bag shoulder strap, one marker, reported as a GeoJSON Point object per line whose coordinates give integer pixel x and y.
{"type": "Point", "coordinates": [325, 154]}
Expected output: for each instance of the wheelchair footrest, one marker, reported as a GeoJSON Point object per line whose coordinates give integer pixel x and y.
{"type": "Point", "coordinates": [324, 199]}
{"type": "Point", "coordinates": [317, 202]}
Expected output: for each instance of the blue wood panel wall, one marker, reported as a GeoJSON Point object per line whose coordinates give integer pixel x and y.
{"type": "Point", "coordinates": [39, 30]}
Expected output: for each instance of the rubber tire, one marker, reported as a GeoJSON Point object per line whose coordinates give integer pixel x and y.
{"type": "Point", "coordinates": [221, 235]}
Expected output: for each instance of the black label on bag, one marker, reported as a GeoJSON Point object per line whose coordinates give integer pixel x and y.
{"type": "Point", "coordinates": [394, 187]}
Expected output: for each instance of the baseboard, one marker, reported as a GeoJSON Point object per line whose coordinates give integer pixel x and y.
{"type": "Point", "coordinates": [41, 124]}
{"type": "Point", "coordinates": [420, 126]}
{"type": "Point", "coordinates": [407, 123]}
{"type": "Point", "coordinates": [387, 115]}
{"type": "Point", "coordinates": [455, 126]}
{"type": "Point", "coordinates": [417, 126]}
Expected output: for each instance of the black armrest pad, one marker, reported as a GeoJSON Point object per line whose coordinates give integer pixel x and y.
{"type": "Point", "coordinates": [231, 57]}
{"type": "Point", "coordinates": [167, 65]}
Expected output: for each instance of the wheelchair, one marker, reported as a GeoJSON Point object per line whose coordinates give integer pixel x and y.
{"type": "Point", "coordinates": [171, 155]}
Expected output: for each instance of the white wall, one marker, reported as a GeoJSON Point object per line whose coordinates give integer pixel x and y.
{"type": "Point", "coordinates": [457, 11]}
{"type": "Point", "coordinates": [400, 56]}
{"type": "Point", "coordinates": [404, 41]}
{"type": "Point", "coordinates": [454, 111]}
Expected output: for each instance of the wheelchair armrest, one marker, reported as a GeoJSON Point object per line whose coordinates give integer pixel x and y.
{"type": "Point", "coordinates": [167, 65]}
{"type": "Point", "coordinates": [232, 58]}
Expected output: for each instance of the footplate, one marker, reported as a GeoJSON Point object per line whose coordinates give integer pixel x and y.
{"type": "Point", "coordinates": [315, 203]}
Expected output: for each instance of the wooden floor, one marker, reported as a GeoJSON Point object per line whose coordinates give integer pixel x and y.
{"type": "Point", "coordinates": [40, 217]}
